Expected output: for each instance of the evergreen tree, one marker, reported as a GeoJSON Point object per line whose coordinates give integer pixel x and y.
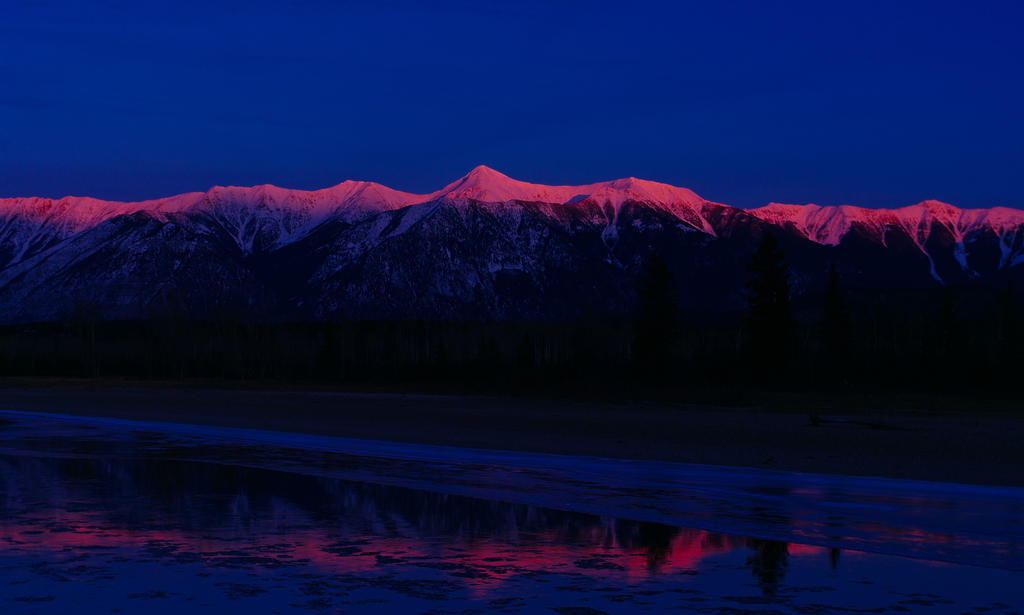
{"type": "Point", "coordinates": [769, 323]}
{"type": "Point", "coordinates": [836, 327]}
{"type": "Point", "coordinates": [949, 348]}
{"type": "Point", "coordinates": [1009, 333]}
{"type": "Point", "coordinates": [1008, 318]}
{"type": "Point", "coordinates": [656, 317]}
{"type": "Point", "coordinates": [946, 325]}
{"type": "Point", "coordinates": [525, 355]}
{"type": "Point", "coordinates": [85, 316]}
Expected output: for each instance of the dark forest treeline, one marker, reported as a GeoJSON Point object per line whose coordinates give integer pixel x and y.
{"type": "Point", "coordinates": [965, 339]}
{"type": "Point", "coordinates": [953, 339]}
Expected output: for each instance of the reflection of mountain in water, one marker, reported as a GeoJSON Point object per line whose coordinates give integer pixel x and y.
{"type": "Point", "coordinates": [134, 500]}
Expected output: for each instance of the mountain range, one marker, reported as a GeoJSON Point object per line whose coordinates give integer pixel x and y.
{"type": "Point", "coordinates": [483, 247]}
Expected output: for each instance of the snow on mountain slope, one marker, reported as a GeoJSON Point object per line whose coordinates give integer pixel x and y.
{"type": "Point", "coordinates": [264, 218]}
{"type": "Point", "coordinates": [824, 225]}
{"type": "Point", "coordinates": [131, 266]}
{"type": "Point", "coordinates": [75, 213]}
{"type": "Point", "coordinates": [486, 185]}
{"type": "Point", "coordinates": [486, 246]}
{"type": "Point", "coordinates": [267, 215]}
{"type": "Point", "coordinates": [1007, 225]}
{"type": "Point", "coordinates": [28, 225]}
{"type": "Point", "coordinates": [828, 225]}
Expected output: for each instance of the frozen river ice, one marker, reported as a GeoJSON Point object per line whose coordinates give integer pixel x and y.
{"type": "Point", "coordinates": [103, 515]}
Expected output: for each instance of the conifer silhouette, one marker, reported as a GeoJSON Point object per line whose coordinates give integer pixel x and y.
{"type": "Point", "coordinates": [836, 327]}
{"type": "Point", "coordinates": [656, 317]}
{"type": "Point", "coordinates": [769, 323]}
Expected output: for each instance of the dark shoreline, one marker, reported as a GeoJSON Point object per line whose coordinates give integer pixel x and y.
{"type": "Point", "coordinates": [937, 438]}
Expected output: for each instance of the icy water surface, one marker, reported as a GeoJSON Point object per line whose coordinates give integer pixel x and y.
{"type": "Point", "coordinates": [104, 516]}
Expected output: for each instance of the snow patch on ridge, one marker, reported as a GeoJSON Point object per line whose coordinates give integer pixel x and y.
{"type": "Point", "coordinates": [268, 214]}
{"type": "Point", "coordinates": [829, 225]}
{"type": "Point", "coordinates": [486, 185]}
{"type": "Point", "coordinates": [267, 217]}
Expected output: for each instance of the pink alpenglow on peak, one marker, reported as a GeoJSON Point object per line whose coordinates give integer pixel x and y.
{"type": "Point", "coordinates": [281, 214]}
{"type": "Point", "coordinates": [349, 197]}
{"type": "Point", "coordinates": [265, 216]}
{"type": "Point", "coordinates": [275, 216]}
{"type": "Point", "coordinates": [78, 212]}
{"type": "Point", "coordinates": [829, 224]}
{"type": "Point", "coordinates": [82, 212]}
{"type": "Point", "coordinates": [487, 185]}
{"type": "Point", "coordinates": [484, 184]}
{"type": "Point", "coordinates": [481, 184]}
{"type": "Point", "coordinates": [484, 246]}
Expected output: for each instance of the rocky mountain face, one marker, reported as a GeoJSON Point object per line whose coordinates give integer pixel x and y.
{"type": "Point", "coordinates": [483, 247]}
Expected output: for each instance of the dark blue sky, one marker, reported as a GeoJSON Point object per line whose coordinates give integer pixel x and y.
{"type": "Point", "coordinates": [870, 103]}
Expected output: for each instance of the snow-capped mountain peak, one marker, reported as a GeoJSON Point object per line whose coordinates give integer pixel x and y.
{"type": "Point", "coordinates": [829, 224]}
{"type": "Point", "coordinates": [487, 185]}
{"type": "Point", "coordinates": [484, 246]}
{"type": "Point", "coordinates": [484, 184]}
{"type": "Point", "coordinates": [644, 191]}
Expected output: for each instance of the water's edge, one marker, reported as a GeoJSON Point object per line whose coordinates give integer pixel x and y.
{"type": "Point", "coordinates": [958, 523]}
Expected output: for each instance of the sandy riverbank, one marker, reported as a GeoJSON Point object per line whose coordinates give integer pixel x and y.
{"type": "Point", "coordinates": [924, 439]}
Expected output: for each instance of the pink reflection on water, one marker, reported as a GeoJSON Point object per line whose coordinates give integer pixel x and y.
{"type": "Point", "coordinates": [291, 538]}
